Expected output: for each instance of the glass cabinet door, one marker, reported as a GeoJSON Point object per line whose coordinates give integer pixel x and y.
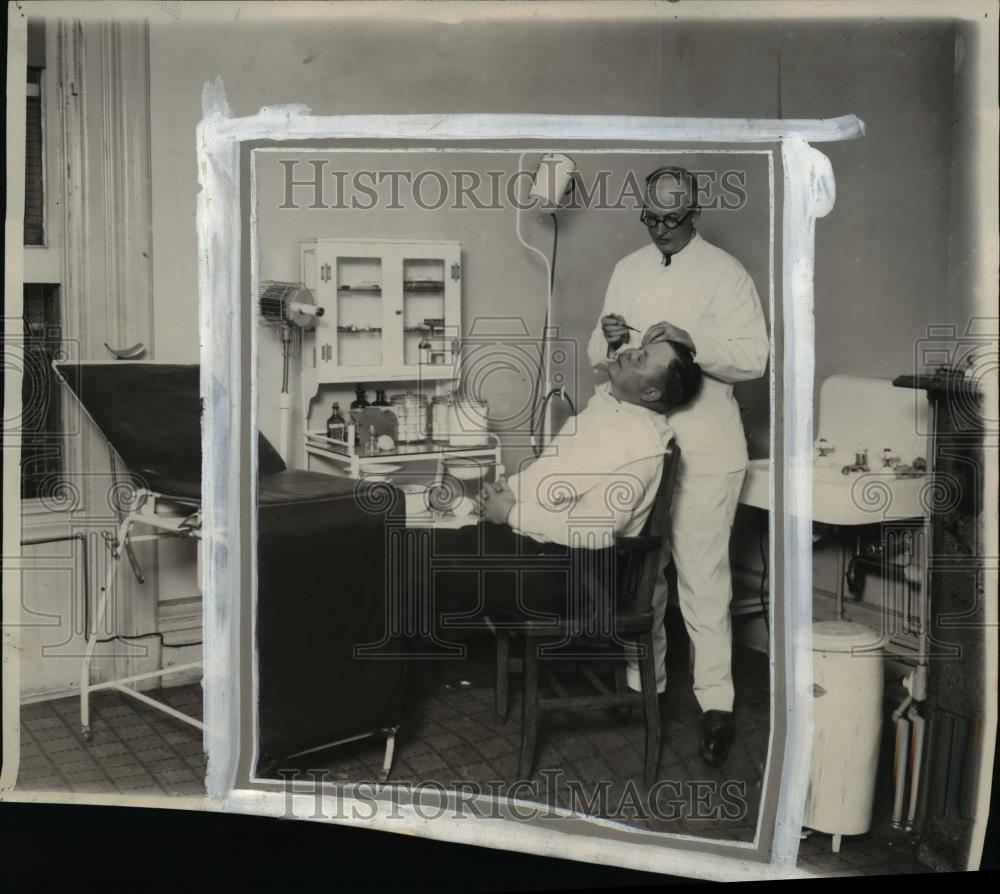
{"type": "Point", "coordinates": [423, 311]}
{"type": "Point", "coordinates": [359, 288]}
{"type": "Point", "coordinates": [431, 275]}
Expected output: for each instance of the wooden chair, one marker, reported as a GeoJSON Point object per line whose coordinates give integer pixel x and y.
{"type": "Point", "coordinates": [639, 565]}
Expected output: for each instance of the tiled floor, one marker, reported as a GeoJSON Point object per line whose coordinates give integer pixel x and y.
{"type": "Point", "coordinates": [134, 748]}
{"type": "Point", "coordinates": [450, 734]}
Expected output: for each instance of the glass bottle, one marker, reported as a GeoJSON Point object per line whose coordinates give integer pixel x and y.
{"type": "Point", "coordinates": [336, 427]}
{"type": "Point", "coordinates": [360, 399]}
{"type": "Point", "coordinates": [380, 400]}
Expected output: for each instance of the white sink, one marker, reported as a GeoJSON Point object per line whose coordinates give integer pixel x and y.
{"type": "Point", "coordinates": [861, 498]}
{"type": "Point", "coordinates": [855, 411]}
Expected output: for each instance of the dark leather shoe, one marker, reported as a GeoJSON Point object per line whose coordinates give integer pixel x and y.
{"type": "Point", "coordinates": [717, 733]}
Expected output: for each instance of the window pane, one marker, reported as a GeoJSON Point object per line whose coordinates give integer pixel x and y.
{"type": "Point", "coordinates": [34, 185]}
{"type": "Point", "coordinates": [41, 427]}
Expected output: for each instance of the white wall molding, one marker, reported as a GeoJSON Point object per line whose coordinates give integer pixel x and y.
{"type": "Point", "coordinates": [102, 71]}
{"type": "Point", "coordinates": [127, 202]}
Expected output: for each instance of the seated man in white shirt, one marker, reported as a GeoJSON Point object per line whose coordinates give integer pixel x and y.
{"type": "Point", "coordinates": [598, 480]}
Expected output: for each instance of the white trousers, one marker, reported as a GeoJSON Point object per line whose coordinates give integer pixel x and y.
{"type": "Point", "coordinates": [701, 521]}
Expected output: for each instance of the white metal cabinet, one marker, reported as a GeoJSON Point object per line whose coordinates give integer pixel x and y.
{"type": "Point", "coordinates": [378, 296]}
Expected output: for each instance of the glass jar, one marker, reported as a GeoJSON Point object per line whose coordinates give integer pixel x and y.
{"type": "Point", "coordinates": [440, 418]}
{"type": "Point", "coordinates": [410, 410]}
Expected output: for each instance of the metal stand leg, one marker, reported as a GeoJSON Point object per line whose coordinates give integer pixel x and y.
{"type": "Point", "coordinates": [916, 764]}
{"type": "Point", "coordinates": [500, 693]}
{"type": "Point", "coordinates": [836, 843]}
{"type": "Point", "coordinates": [390, 748]}
{"type": "Point", "coordinates": [95, 624]}
{"type": "Point", "coordinates": [841, 573]}
{"type": "Point", "coordinates": [901, 759]}
{"type": "Point", "coordinates": [529, 707]}
{"type": "Point", "coordinates": [125, 685]}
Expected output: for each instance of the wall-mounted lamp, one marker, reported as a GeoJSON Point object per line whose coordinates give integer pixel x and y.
{"type": "Point", "coordinates": [553, 180]}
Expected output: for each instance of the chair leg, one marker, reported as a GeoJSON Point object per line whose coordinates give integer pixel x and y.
{"type": "Point", "coordinates": [529, 707]}
{"type": "Point", "coordinates": [501, 689]}
{"type": "Point", "coordinates": [651, 707]}
{"type": "Point", "coordinates": [621, 685]}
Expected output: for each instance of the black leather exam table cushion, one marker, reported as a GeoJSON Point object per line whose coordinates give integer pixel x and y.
{"type": "Point", "coordinates": [151, 414]}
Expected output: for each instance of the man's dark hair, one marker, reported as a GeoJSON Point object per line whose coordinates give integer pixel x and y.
{"type": "Point", "coordinates": [681, 175]}
{"type": "Point", "coordinates": [682, 380]}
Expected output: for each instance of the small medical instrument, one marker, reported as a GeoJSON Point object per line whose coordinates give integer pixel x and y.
{"type": "Point", "coordinates": [372, 440]}
{"type": "Point", "coordinates": [632, 328]}
{"type": "Point", "coordinates": [410, 410]}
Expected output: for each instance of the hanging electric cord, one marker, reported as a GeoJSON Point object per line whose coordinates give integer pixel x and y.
{"type": "Point", "coordinates": [553, 393]}
{"type": "Point", "coordinates": [542, 365]}
{"type": "Point", "coordinates": [538, 412]}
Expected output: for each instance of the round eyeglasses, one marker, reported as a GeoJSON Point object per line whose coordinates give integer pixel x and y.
{"type": "Point", "coordinates": [668, 220]}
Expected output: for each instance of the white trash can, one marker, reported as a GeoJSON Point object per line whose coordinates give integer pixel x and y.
{"type": "Point", "coordinates": [848, 682]}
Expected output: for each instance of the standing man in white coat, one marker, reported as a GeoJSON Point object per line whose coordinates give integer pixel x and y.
{"type": "Point", "coordinates": [684, 289]}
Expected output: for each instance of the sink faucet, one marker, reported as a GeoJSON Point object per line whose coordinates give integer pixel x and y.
{"type": "Point", "coordinates": [860, 463]}
{"type": "Point", "coordinates": [889, 459]}
{"type": "Point", "coordinates": [823, 449]}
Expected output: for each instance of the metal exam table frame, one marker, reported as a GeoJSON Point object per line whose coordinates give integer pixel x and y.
{"type": "Point", "coordinates": [159, 514]}
{"type": "Point", "coordinates": [145, 514]}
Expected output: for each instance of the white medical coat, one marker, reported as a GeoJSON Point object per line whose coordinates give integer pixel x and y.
{"type": "Point", "coordinates": [708, 293]}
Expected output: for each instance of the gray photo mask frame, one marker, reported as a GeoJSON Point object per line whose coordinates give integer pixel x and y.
{"type": "Point", "coordinates": [228, 389]}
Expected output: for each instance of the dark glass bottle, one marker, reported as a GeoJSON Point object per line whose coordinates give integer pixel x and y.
{"type": "Point", "coordinates": [380, 400]}
{"type": "Point", "coordinates": [336, 427]}
{"type": "Point", "coordinates": [360, 400]}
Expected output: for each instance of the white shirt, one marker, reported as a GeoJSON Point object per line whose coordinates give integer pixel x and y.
{"type": "Point", "coordinates": [599, 478]}
{"type": "Point", "coordinates": [708, 293]}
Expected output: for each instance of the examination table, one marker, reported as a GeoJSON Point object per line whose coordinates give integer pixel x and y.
{"type": "Point", "coordinates": [320, 566]}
